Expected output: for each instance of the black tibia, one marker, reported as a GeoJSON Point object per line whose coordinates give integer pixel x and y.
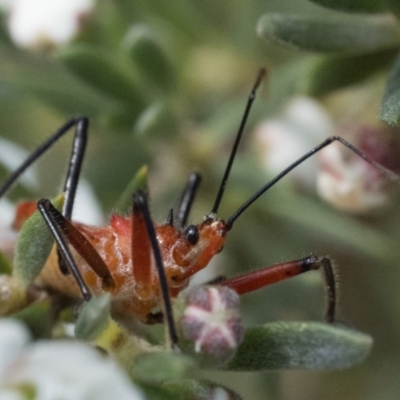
{"type": "Point", "coordinates": [324, 263]}
{"type": "Point", "coordinates": [140, 205]}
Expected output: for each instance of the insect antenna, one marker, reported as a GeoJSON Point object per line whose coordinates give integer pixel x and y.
{"type": "Point", "coordinates": [187, 198]}
{"type": "Point", "coordinates": [250, 101]}
{"type": "Point", "coordinates": [140, 205]}
{"type": "Point", "coordinates": [391, 175]}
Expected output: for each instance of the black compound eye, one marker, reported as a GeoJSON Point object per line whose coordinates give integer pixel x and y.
{"type": "Point", "coordinates": [192, 234]}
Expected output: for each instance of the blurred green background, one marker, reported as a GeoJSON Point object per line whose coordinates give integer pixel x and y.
{"type": "Point", "coordinates": [165, 84]}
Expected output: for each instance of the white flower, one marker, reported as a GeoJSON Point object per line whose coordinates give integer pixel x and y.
{"type": "Point", "coordinates": [12, 156]}
{"type": "Point", "coordinates": [348, 182]}
{"type": "Point", "coordinates": [280, 142]}
{"type": "Point", "coordinates": [37, 23]}
{"type": "Point", "coordinates": [65, 370]}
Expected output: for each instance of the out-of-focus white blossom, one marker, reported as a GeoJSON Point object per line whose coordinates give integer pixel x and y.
{"type": "Point", "coordinates": [280, 142]}
{"type": "Point", "coordinates": [13, 339]}
{"type": "Point", "coordinates": [58, 370]}
{"type": "Point", "coordinates": [41, 23]}
{"type": "Point", "coordinates": [87, 208]}
{"type": "Point", "coordinates": [8, 236]}
{"type": "Point", "coordinates": [12, 156]}
{"type": "Point", "coordinates": [348, 182]}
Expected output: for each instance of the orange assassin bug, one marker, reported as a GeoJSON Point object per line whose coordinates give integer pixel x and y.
{"type": "Point", "coordinates": [142, 264]}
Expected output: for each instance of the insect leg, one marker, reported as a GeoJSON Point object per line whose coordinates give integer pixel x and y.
{"type": "Point", "coordinates": [187, 198]}
{"type": "Point", "coordinates": [75, 164]}
{"type": "Point", "coordinates": [44, 206]}
{"type": "Point", "coordinates": [72, 179]}
{"type": "Point", "coordinates": [266, 276]}
{"type": "Point", "coordinates": [38, 152]}
{"type": "Point", "coordinates": [81, 245]}
{"type": "Point", "coordinates": [140, 207]}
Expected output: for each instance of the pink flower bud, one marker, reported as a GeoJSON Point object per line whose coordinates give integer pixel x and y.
{"type": "Point", "coordinates": [210, 324]}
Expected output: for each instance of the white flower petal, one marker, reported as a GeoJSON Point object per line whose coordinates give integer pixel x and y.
{"type": "Point", "coordinates": [11, 394]}
{"type": "Point", "coordinates": [281, 141]}
{"type": "Point", "coordinates": [71, 371]}
{"type": "Point", "coordinates": [13, 338]}
{"type": "Point", "coordinates": [33, 23]}
{"type": "Point", "coordinates": [12, 156]}
{"type": "Point", "coordinates": [87, 208]}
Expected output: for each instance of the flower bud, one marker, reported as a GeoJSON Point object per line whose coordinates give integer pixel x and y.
{"type": "Point", "coordinates": [347, 181]}
{"type": "Point", "coordinates": [210, 324]}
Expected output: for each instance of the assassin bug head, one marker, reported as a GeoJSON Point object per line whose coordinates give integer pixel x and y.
{"type": "Point", "coordinates": [197, 244]}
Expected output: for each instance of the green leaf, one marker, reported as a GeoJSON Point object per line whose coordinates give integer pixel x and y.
{"type": "Point", "coordinates": [38, 318]}
{"type": "Point", "coordinates": [34, 246]}
{"type": "Point", "coordinates": [361, 6]}
{"type": "Point", "coordinates": [153, 392]}
{"type": "Point", "coordinates": [149, 57]}
{"type": "Point", "coordinates": [139, 181]}
{"type": "Point", "coordinates": [328, 73]}
{"type": "Point", "coordinates": [390, 106]}
{"type": "Point", "coordinates": [352, 35]}
{"type": "Point", "coordinates": [93, 318]}
{"type": "Point", "coordinates": [13, 295]}
{"type": "Point", "coordinates": [184, 389]}
{"type": "Point", "coordinates": [156, 120]}
{"type": "Point", "coordinates": [159, 367]}
{"type": "Point", "coordinates": [5, 264]}
{"type": "Point", "coordinates": [98, 70]}
{"type": "Point", "coordinates": [300, 345]}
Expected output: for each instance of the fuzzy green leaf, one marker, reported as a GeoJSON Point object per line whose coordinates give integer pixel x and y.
{"type": "Point", "coordinates": [98, 70]}
{"type": "Point", "coordinates": [139, 181]}
{"type": "Point", "coordinates": [93, 318]}
{"type": "Point", "coordinates": [361, 6]}
{"type": "Point", "coordinates": [355, 35]}
{"type": "Point", "coordinates": [34, 246]}
{"type": "Point", "coordinates": [5, 265]}
{"type": "Point", "coordinates": [300, 345]}
{"type": "Point", "coordinates": [148, 57]}
{"type": "Point", "coordinates": [328, 73]}
{"type": "Point", "coordinates": [390, 106]}
{"type": "Point", "coordinates": [154, 392]}
{"type": "Point", "coordinates": [184, 389]}
{"type": "Point", "coordinates": [159, 367]}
